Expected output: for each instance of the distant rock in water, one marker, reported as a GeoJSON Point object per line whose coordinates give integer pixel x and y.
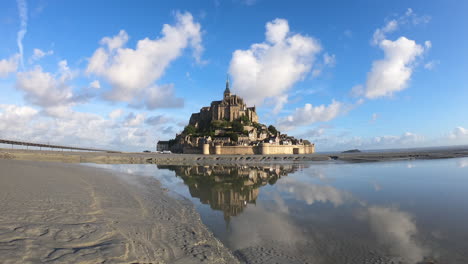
{"type": "Point", "coordinates": [352, 151]}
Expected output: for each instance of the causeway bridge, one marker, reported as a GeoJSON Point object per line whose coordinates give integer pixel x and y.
{"type": "Point", "coordinates": [51, 146]}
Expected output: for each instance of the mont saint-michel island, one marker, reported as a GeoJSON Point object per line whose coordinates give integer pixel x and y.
{"type": "Point", "coordinates": [230, 127]}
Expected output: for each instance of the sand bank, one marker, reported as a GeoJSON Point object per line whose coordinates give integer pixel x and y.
{"type": "Point", "coordinates": [65, 213]}
{"type": "Point", "coordinates": [180, 159]}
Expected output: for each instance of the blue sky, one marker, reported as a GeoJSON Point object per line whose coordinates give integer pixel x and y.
{"type": "Point", "coordinates": [124, 74]}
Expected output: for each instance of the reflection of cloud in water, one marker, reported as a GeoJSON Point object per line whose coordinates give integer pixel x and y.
{"type": "Point", "coordinates": [397, 230]}
{"type": "Point", "coordinates": [316, 173]}
{"type": "Point", "coordinates": [122, 171]}
{"type": "Point", "coordinates": [311, 193]}
{"type": "Point", "coordinates": [280, 203]}
{"type": "Point", "coordinates": [462, 163]}
{"type": "Point", "coordinates": [130, 172]}
{"type": "Point", "coordinates": [275, 225]}
{"type": "Point", "coordinates": [377, 187]}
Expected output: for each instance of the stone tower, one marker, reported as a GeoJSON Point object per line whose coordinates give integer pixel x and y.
{"type": "Point", "coordinates": [227, 91]}
{"type": "Point", "coordinates": [231, 108]}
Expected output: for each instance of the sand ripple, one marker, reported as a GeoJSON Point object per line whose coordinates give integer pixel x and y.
{"type": "Point", "coordinates": [59, 213]}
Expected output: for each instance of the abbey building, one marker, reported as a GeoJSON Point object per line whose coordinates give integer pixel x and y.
{"type": "Point", "coordinates": [231, 108]}
{"type": "Point", "coordinates": [229, 126]}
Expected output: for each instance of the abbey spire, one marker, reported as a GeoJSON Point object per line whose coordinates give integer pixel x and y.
{"type": "Point", "coordinates": [227, 91]}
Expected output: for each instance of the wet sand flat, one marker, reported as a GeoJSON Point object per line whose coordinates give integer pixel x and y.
{"type": "Point", "coordinates": [65, 213]}
{"type": "Point", "coordinates": [181, 159]}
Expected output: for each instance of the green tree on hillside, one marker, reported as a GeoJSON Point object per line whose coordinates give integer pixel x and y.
{"type": "Point", "coordinates": [237, 126]}
{"type": "Point", "coordinates": [245, 120]}
{"type": "Point", "coordinates": [234, 137]}
{"type": "Point", "coordinates": [220, 124]}
{"type": "Point", "coordinates": [258, 126]}
{"type": "Point", "coordinates": [272, 130]}
{"type": "Point", "coordinates": [190, 130]}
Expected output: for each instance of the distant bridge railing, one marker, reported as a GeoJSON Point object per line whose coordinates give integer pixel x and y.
{"type": "Point", "coordinates": [43, 145]}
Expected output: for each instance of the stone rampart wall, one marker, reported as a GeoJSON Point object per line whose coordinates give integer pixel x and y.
{"type": "Point", "coordinates": [264, 149]}
{"type": "Point", "coordinates": [236, 150]}
{"type": "Point", "coordinates": [268, 149]}
{"type": "Point", "coordinates": [190, 150]}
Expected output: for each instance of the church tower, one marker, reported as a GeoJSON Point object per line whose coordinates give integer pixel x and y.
{"type": "Point", "coordinates": [227, 92]}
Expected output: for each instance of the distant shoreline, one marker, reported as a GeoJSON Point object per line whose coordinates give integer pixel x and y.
{"type": "Point", "coordinates": [176, 159]}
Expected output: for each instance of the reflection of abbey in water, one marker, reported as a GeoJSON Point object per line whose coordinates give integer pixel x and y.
{"type": "Point", "coordinates": [227, 188]}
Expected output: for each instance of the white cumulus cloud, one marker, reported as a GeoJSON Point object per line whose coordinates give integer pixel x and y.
{"type": "Point", "coordinates": [156, 120]}
{"type": "Point", "coordinates": [62, 125]}
{"type": "Point", "coordinates": [159, 96]}
{"type": "Point", "coordinates": [134, 120]}
{"type": "Point", "coordinates": [406, 139]}
{"type": "Point", "coordinates": [39, 54]}
{"type": "Point", "coordinates": [459, 133]}
{"type": "Point", "coordinates": [310, 114]}
{"type": "Point", "coordinates": [343, 141]}
{"type": "Point", "coordinates": [408, 18]}
{"type": "Point", "coordinates": [133, 72]}
{"type": "Point", "coordinates": [392, 73]}
{"type": "Point", "coordinates": [329, 60]}
{"type": "Point", "coordinates": [380, 33]}
{"type": "Point", "coordinates": [116, 113]}
{"type": "Point", "coordinates": [431, 64]}
{"type": "Point", "coordinates": [95, 84]}
{"type": "Point", "coordinates": [46, 89]}
{"type": "Point", "coordinates": [8, 66]}
{"type": "Point", "coordinates": [13, 118]}
{"type": "Point", "coordinates": [269, 69]}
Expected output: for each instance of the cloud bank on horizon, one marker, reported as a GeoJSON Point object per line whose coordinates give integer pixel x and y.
{"type": "Point", "coordinates": [119, 93]}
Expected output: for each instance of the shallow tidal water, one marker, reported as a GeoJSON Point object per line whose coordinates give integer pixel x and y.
{"type": "Point", "coordinates": [383, 212]}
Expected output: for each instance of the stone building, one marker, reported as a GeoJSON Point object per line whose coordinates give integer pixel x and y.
{"type": "Point", "coordinates": [162, 145]}
{"type": "Point", "coordinates": [231, 108]}
{"type": "Point", "coordinates": [229, 127]}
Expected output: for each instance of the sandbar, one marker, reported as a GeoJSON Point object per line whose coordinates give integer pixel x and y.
{"type": "Point", "coordinates": [69, 213]}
